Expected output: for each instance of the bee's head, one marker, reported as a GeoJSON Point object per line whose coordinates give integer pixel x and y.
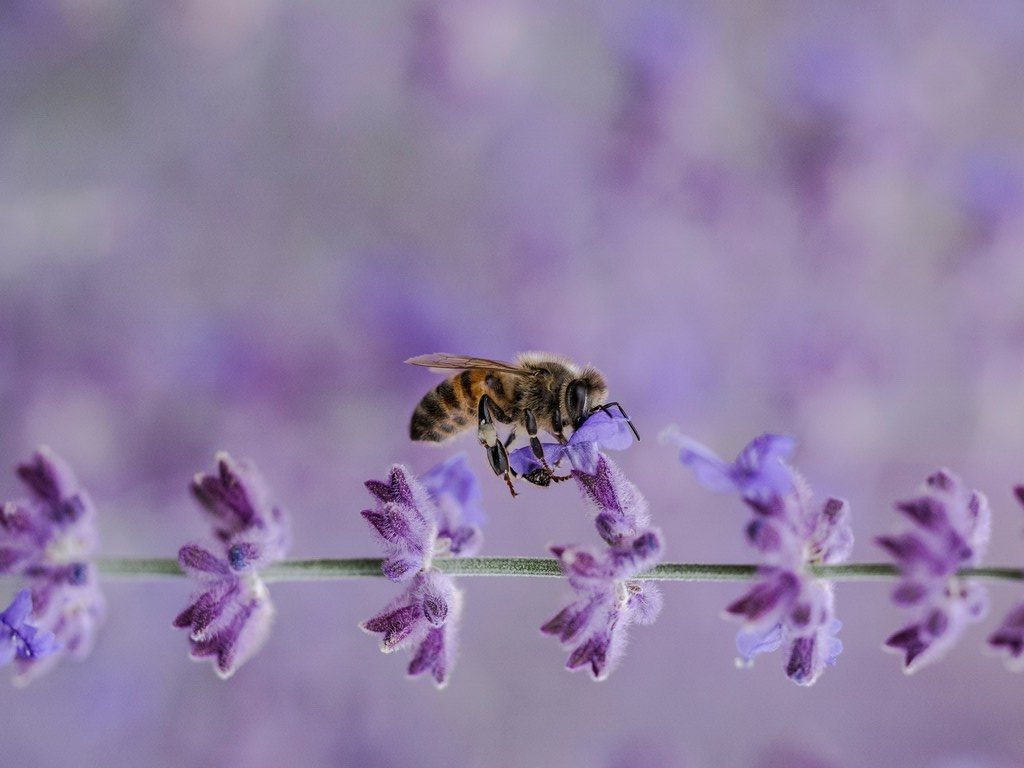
{"type": "Point", "coordinates": [583, 395]}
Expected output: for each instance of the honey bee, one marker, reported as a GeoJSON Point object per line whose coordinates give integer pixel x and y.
{"type": "Point", "coordinates": [538, 391]}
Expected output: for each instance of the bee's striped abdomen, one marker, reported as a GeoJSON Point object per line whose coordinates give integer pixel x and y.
{"type": "Point", "coordinates": [447, 409]}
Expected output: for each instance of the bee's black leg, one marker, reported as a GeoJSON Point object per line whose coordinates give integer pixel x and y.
{"type": "Point", "coordinates": [497, 456]}
{"type": "Point", "coordinates": [531, 430]}
{"type": "Point", "coordinates": [510, 438]}
{"type": "Point", "coordinates": [538, 450]}
{"type": "Point", "coordinates": [606, 408]}
{"type": "Point", "coordinates": [556, 422]}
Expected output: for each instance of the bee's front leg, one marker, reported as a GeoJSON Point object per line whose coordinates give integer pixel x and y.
{"type": "Point", "coordinates": [607, 409]}
{"type": "Point", "coordinates": [497, 456]}
{"type": "Point", "coordinates": [538, 451]}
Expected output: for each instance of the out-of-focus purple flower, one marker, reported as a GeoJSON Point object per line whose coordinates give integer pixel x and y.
{"type": "Point", "coordinates": [456, 492]}
{"type": "Point", "coordinates": [601, 431]}
{"type": "Point", "coordinates": [607, 600]}
{"type": "Point", "coordinates": [230, 615]}
{"type": "Point", "coordinates": [1009, 638]}
{"type": "Point", "coordinates": [20, 639]}
{"type": "Point", "coordinates": [56, 524]}
{"type": "Point", "coordinates": [238, 503]}
{"type": "Point", "coordinates": [949, 530]}
{"type": "Point", "coordinates": [417, 520]}
{"type": "Point", "coordinates": [786, 606]}
{"type": "Point", "coordinates": [48, 539]}
{"type": "Point", "coordinates": [759, 472]}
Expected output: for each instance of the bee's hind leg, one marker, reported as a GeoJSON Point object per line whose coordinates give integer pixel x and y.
{"type": "Point", "coordinates": [497, 455]}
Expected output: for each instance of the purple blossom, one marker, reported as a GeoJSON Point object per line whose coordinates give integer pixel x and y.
{"type": "Point", "coordinates": [607, 601]}
{"type": "Point", "coordinates": [405, 521]}
{"type": "Point", "coordinates": [425, 618]}
{"type": "Point", "coordinates": [602, 430]}
{"type": "Point", "coordinates": [949, 528]}
{"type": "Point", "coordinates": [621, 511]}
{"type": "Point", "coordinates": [785, 606]}
{"type": "Point", "coordinates": [456, 492]}
{"type": "Point", "coordinates": [18, 638]}
{"type": "Point", "coordinates": [56, 524]}
{"type": "Point", "coordinates": [1009, 638]}
{"type": "Point", "coordinates": [237, 501]}
{"type": "Point", "coordinates": [759, 472]}
{"type": "Point", "coordinates": [48, 539]}
{"type": "Point", "coordinates": [230, 615]}
{"type": "Point", "coordinates": [418, 520]}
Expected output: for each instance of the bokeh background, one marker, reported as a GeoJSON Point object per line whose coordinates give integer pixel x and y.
{"type": "Point", "coordinates": [225, 223]}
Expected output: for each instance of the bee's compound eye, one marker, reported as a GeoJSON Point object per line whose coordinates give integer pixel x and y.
{"type": "Point", "coordinates": [576, 401]}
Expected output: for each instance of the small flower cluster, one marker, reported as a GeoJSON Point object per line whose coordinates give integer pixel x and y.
{"type": "Point", "coordinates": [608, 599]}
{"type": "Point", "coordinates": [416, 521]}
{"type": "Point", "coordinates": [949, 530]}
{"type": "Point", "coordinates": [230, 615]}
{"type": "Point", "coordinates": [48, 539]}
{"type": "Point", "coordinates": [786, 605]}
{"type": "Point", "coordinates": [1009, 638]}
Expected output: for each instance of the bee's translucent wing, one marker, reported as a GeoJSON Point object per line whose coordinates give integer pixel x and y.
{"type": "Point", "coordinates": [442, 361]}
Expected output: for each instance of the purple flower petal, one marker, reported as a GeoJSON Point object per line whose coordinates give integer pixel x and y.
{"type": "Point", "coordinates": [405, 521]}
{"type": "Point", "coordinates": [606, 431]}
{"type": "Point", "coordinates": [453, 483]}
{"type": "Point", "coordinates": [19, 638]}
{"type": "Point", "coordinates": [621, 509]}
{"type": "Point", "coordinates": [751, 643]}
{"type": "Point", "coordinates": [949, 530]}
{"type": "Point", "coordinates": [425, 617]}
{"type": "Point", "coordinates": [758, 473]}
{"type": "Point", "coordinates": [238, 502]}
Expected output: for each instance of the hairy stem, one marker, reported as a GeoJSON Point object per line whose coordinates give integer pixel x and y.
{"type": "Point", "coordinates": [328, 569]}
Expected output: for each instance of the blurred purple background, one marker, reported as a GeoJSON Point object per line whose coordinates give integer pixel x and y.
{"type": "Point", "coordinates": [225, 223]}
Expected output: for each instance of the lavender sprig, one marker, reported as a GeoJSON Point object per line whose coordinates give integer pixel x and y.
{"type": "Point", "coordinates": [418, 520]}
{"type": "Point", "coordinates": [48, 539]}
{"type": "Point", "coordinates": [18, 638]}
{"type": "Point", "coordinates": [607, 597]}
{"type": "Point", "coordinates": [949, 529]}
{"type": "Point", "coordinates": [786, 606]}
{"type": "Point", "coordinates": [1008, 639]}
{"type": "Point", "coordinates": [230, 615]}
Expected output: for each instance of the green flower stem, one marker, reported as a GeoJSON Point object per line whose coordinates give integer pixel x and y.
{"type": "Point", "coordinates": [135, 569]}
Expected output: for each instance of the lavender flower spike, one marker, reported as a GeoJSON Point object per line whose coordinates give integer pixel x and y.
{"type": "Point", "coordinates": [49, 539]}
{"type": "Point", "coordinates": [20, 639]}
{"type": "Point", "coordinates": [405, 521]}
{"type": "Point", "coordinates": [238, 504]}
{"type": "Point", "coordinates": [230, 615]}
{"type": "Point", "coordinates": [759, 472]}
{"type": "Point", "coordinates": [607, 601]}
{"type": "Point", "coordinates": [949, 528]}
{"type": "Point", "coordinates": [418, 520]}
{"type": "Point", "coordinates": [1009, 638]}
{"type": "Point", "coordinates": [785, 606]}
